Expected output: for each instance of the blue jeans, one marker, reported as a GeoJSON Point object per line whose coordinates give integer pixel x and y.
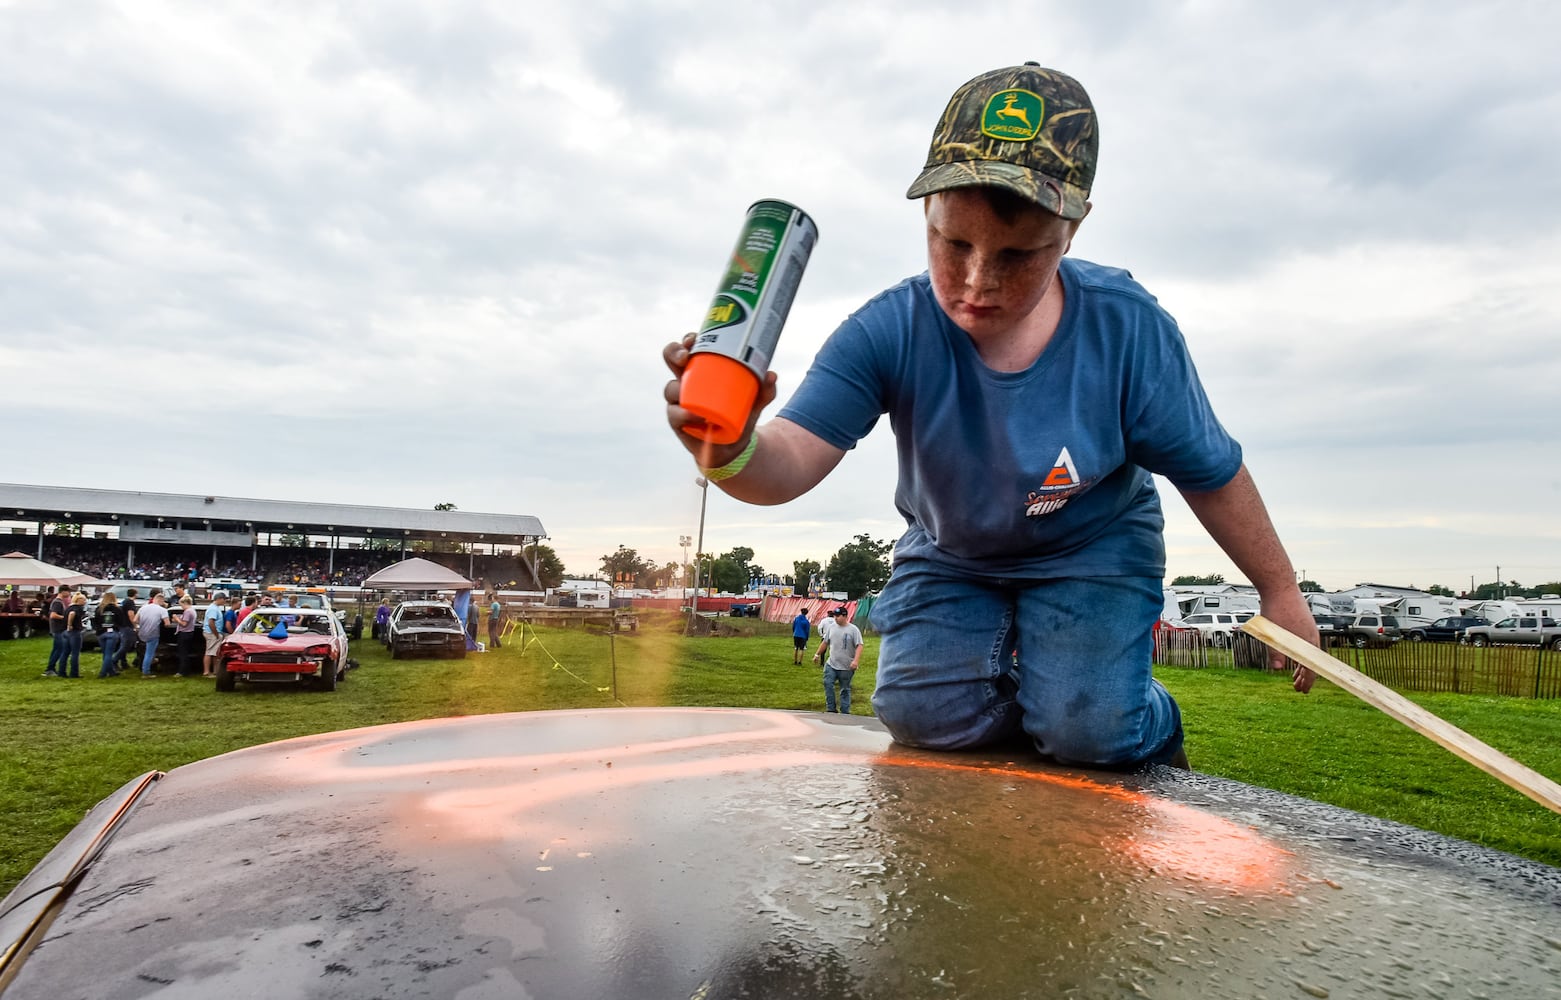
{"type": "Point", "coordinates": [58, 652]}
{"type": "Point", "coordinates": [844, 679]}
{"type": "Point", "coordinates": [150, 654]}
{"type": "Point", "coordinates": [73, 650]}
{"type": "Point", "coordinates": [127, 645]}
{"type": "Point", "coordinates": [110, 643]}
{"type": "Point", "coordinates": [964, 663]}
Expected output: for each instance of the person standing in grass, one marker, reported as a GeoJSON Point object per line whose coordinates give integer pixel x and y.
{"type": "Point", "coordinates": [214, 627]}
{"type": "Point", "coordinates": [495, 620]}
{"type": "Point", "coordinates": [75, 624]}
{"type": "Point", "coordinates": [150, 620]}
{"type": "Point", "coordinates": [801, 628]}
{"type": "Point", "coordinates": [186, 636]}
{"type": "Point", "coordinates": [842, 641]}
{"type": "Point", "coordinates": [59, 607]}
{"type": "Point", "coordinates": [107, 626]}
{"type": "Point", "coordinates": [127, 631]}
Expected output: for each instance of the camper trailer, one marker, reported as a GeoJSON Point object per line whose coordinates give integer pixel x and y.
{"type": "Point", "coordinates": [1494, 611]}
{"type": "Point", "coordinates": [1418, 611]}
{"type": "Point", "coordinates": [1331, 604]}
{"type": "Point", "coordinates": [1183, 601]}
{"type": "Point", "coordinates": [581, 594]}
{"type": "Point", "coordinates": [1547, 606]}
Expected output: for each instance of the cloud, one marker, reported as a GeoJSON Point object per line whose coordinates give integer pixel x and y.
{"type": "Point", "coordinates": [451, 240]}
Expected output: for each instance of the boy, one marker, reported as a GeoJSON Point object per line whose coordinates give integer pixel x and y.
{"type": "Point", "coordinates": [1032, 396]}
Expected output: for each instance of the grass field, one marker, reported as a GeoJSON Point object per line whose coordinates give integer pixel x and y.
{"type": "Point", "coordinates": [66, 744]}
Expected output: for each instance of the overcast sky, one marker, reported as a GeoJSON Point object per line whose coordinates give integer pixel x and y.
{"type": "Point", "coordinates": [403, 254]}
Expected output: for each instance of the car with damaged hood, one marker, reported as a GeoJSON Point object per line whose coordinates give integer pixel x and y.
{"type": "Point", "coordinates": [425, 628]}
{"type": "Point", "coordinates": [698, 852]}
{"type": "Point", "coordinates": [285, 646]}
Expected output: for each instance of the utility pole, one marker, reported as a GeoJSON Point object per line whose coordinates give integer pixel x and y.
{"type": "Point", "coordinates": [699, 548]}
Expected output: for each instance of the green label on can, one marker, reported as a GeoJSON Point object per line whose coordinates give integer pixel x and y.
{"type": "Point", "coordinates": [752, 260]}
{"type": "Point", "coordinates": [724, 311]}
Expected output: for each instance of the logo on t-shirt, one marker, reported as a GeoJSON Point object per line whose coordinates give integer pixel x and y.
{"type": "Point", "coordinates": [1062, 484]}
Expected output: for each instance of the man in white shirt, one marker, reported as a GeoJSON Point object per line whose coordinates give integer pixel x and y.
{"type": "Point", "coordinates": [150, 619]}
{"type": "Point", "coordinates": [843, 642]}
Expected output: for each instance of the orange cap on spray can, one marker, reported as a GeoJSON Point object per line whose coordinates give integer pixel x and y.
{"type": "Point", "coordinates": [734, 345]}
{"type": "Point", "coordinates": [720, 392]}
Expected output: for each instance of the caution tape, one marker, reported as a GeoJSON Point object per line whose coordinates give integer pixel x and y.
{"type": "Point", "coordinates": [536, 640]}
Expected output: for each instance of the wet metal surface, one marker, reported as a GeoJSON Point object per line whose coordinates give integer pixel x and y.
{"type": "Point", "coordinates": [724, 853]}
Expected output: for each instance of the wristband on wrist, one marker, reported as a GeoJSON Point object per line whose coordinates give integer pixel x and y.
{"type": "Point", "coordinates": [735, 466]}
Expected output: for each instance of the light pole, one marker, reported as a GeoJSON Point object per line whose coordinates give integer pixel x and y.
{"type": "Point", "coordinates": [685, 541]}
{"type": "Point", "coordinates": [699, 548]}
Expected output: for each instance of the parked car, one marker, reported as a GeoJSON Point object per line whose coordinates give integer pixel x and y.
{"type": "Point", "coordinates": [656, 852]}
{"type": "Point", "coordinates": [1524, 630]}
{"type": "Point", "coordinates": [1445, 629]}
{"type": "Point", "coordinates": [284, 645]}
{"type": "Point", "coordinates": [143, 588]}
{"type": "Point", "coordinates": [428, 628]}
{"type": "Point", "coordinates": [1332, 630]}
{"type": "Point", "coordinates": [1216, 627]}
{"type": "Point", "coordinates": [166, 652]}
{"type": "Point", "coordinates": [1373, 630]}
{"type": "Point", "coordinates": [315, 597]}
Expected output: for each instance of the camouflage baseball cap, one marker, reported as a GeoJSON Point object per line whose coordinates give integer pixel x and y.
{"type": "Point", "coordinates": [1025, 129]}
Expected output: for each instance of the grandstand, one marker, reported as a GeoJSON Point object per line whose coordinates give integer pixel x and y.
{"type": "Point", "coordinates": [161, 536]}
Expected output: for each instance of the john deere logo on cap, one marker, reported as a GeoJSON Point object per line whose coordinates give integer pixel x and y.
{"type": "Point", "coordinates": [1013, 115]}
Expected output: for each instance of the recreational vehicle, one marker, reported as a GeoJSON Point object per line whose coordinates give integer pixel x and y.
{"type": "Point", "coordinates": [1181, 602]}
{"type": "Point", "coordinates": [1419, 611]}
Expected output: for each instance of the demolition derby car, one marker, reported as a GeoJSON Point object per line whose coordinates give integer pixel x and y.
{"type": "Point", "coordinates": [282, 646]}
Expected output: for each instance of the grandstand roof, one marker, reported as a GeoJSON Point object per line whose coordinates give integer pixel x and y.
{"type": "Point", "coordinates": [57, 503]}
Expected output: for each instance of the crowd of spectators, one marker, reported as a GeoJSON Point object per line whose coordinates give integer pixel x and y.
{"type": "Point", "coordinates": [297, 567]}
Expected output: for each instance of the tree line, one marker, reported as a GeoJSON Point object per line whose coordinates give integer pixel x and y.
{"type": "Point", "coordinates": [859, 567]}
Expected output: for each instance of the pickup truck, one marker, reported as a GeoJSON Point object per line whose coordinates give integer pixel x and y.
{"type": "Point", "coordinates": [1524, 630]}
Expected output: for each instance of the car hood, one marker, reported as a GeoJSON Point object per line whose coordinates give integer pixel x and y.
{"type": "Point", "coordinates": [720, 853]}
{"type": "Point", "coordinates": [292, 644]}
{"type": "Point", "coordinates": [450, 628]}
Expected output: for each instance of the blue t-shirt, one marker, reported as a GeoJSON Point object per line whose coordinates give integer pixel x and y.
{"type": "Point", "coordinates": [1035, 474]}
{"type": "Point", "coordinates": [801, 627]}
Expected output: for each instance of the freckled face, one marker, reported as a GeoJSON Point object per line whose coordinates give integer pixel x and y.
{"type": "Point", "coordinates": [990, 275]}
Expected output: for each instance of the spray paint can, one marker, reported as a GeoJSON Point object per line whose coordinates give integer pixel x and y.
{"type": "Point", "coordinates": [734, 345]}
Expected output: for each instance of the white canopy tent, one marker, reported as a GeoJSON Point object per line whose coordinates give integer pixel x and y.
{"type": "Point", "coordinates": [22, 570]}
{"type": "Point", "coordinates": [417, 574]}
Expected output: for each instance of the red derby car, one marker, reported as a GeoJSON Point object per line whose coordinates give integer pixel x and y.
{"type": "Point", "coordinates": [284, 645]}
